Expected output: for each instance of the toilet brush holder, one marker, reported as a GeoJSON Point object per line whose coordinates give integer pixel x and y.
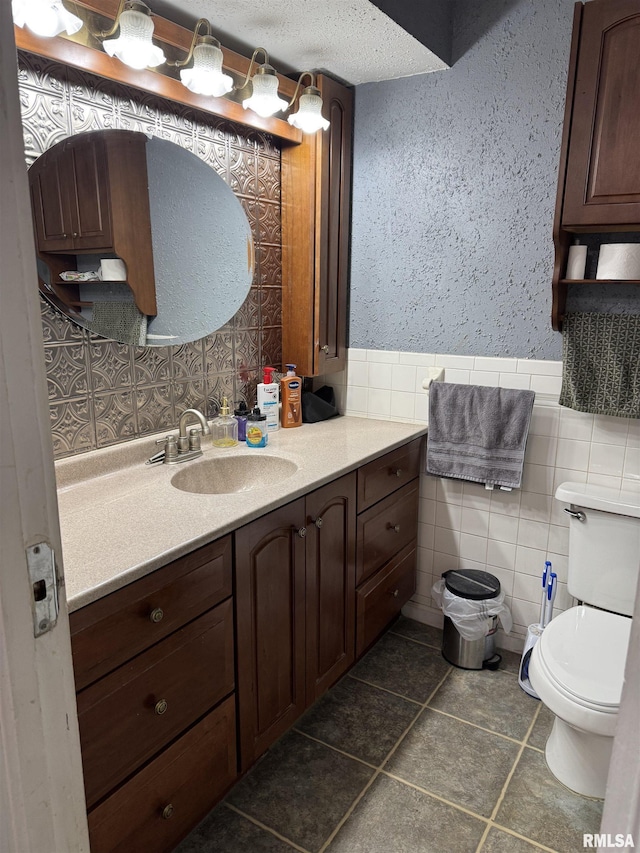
{"type": "Point", "coordinates": [534, 632]}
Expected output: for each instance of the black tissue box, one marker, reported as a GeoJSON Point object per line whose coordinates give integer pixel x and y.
{"type": "Point", "coordinates": [319, 405]}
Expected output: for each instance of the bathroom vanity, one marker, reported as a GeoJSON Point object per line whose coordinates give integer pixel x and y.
{"type": "Point", "coordinates": [203, 625]}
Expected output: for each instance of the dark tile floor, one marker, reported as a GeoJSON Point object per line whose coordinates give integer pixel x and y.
{"type": "Point", "coordinates": [406, 755]}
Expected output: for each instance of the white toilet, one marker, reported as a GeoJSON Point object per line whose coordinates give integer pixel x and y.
{"type": "Point", "coordinates": [577, 667]}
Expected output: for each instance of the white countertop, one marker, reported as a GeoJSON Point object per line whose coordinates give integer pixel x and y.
{"type": "Point", "coordinates": [121, 519]}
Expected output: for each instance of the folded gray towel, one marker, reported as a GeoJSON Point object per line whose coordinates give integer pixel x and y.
{"type": "Point", "coordinates": [478, 433]}
{"type": "Point", "coordinates": [601, 364]}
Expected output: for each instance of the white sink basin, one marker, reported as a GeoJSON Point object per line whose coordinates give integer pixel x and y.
{"type": "Point", "coordinates": [228, 474]}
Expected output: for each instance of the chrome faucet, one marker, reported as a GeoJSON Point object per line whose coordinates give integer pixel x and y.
{"type": "Point", "coordinates": [185, 446]}
{"type": "Point", "coordinates": [184, 440]}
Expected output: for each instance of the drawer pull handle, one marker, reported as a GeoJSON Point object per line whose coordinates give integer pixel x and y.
{"type": "Point", "coordinates": [395, 593]}
{"type": "Point", "coordinates": [318, 523]}
{"type": "Point", "coordinates": [157, 614]}
{"type": "Point", "coordinates": [398, 472]}
{"type": "Point", "coordinates": [325, 349]}
{"type": "Point", "coordinates": [394, 527]}
{"type": "Point", "coordinates": [302, 532]}
{"type": "Point", "coordinates": [167, 812]}
{"type": "Point", "coordinates": [161, 707]}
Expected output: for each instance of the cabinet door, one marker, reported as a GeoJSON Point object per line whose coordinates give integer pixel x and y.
{"type": "Point", "coordinates": [335, 152]}
{"type": "Point", "coordinates": [270, 602]}
{"type": "Point", "coordinates": [89, 193]}
{"type": "Point", "coordinates": [331, 553]}
{"type": "Point", "coordinates": [603, 167]}
{"type": "Point", "coordinates": [49, 203]}
{"type": "Point", "coordinates": [316, 203]}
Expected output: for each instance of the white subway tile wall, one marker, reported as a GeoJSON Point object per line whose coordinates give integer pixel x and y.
{"type": "Point", "coordinates": [462, 525]}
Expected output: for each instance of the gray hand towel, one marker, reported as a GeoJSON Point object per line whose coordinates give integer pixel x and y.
{"type": "Point", "coordinates": [478, 433]}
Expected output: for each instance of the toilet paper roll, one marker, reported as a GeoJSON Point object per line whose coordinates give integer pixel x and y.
{"type": "Point", "coordinates": [113, 269]}
{"type": "Point", "coordinates": [620, 261]}
{"type": "Point", "coordinates": [577, 262]}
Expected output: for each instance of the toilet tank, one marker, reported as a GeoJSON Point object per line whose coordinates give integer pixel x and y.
{"type": "Point", "coordinates": [604, 546]}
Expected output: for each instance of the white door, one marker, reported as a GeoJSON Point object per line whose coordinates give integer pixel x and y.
{"type": "Point", "coordinates": [42, 807]}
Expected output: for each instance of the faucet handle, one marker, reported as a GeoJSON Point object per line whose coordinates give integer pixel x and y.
{"type": "Point", "coordinates": [194, 439]}
{"type": "Point", "coordinates": [170, 447]}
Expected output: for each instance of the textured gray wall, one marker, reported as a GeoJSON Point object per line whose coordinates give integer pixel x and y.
{"type": "Point", "coordinates": [454, 190]}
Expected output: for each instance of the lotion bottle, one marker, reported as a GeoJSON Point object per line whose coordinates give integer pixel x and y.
{"type": "Point", "coordinates": [291, 392]}
{"type": "Point", "coordinates": [267, 394]}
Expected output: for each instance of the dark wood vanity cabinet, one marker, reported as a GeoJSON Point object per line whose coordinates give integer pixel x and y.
{"type": "Point", "coordinates": [599, 174]}
{"type": "Point", "coordinates": [89, 196]}
{"type": "Point", "coordinates": [154, 665]}
{"type": "Point", "coordinates": [187, 675]}
{"type": "Point", "coordinates": [316, 224]}
{"type": "Point", "coordinates": [387, 526]}
{"type": "Point", "coordinates": [295, 586]}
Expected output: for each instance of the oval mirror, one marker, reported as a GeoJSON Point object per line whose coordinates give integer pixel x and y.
{"type": "Point", "coordinates": [138, 239]}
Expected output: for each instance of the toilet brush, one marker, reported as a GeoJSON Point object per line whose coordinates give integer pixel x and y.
{"type": "Point", "coordinates": [534, 632]}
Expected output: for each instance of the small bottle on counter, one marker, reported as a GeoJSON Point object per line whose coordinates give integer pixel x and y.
{"type": "Point", "coordinates": [257, 433]}
{"type": "Point", "coordinates": [240, 414]}
{"type": "Point", "coordinates": [224, 430]}
{"type": "Point", "coordinates": [291, 394]}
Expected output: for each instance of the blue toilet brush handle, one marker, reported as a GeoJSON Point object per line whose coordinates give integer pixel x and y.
{"type": "Point", "coordinates": [543, 603]}
{"type": "Point", "coordinates": [551, 597]}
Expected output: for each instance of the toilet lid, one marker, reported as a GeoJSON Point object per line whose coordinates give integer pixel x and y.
{"type": "Point", "coordinates": [585, 652]}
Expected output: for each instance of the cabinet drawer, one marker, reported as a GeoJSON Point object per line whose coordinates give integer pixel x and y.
{"type": "Point", "coordinates": [119, 626]}
{"type": "Point", "coordinates": [128, 716]}
{"type": "Point", "coordinates": [385, 475]}
{"type": "Point", "coordinates": [386, 528]}
{"type": "Point", "coordinates": [156, 808]}
{"type": "Point", "coordinates": [382, 596]}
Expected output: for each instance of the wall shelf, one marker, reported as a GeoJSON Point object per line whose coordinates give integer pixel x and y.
{"type": "Point", "coordinates": [599, 281]}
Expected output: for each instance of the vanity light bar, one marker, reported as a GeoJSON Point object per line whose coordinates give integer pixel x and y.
{"type": "Point", "coordinates": [201, 70]}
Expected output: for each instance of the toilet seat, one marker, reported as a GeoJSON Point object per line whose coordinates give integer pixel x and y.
{"type": "Point", "coordinates": [584, 652]}
{"type": "Point", "coordinates": [577, 667]}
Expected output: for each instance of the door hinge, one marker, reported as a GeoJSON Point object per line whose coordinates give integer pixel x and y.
{"type": "Point", "coordinates": [41, 561]}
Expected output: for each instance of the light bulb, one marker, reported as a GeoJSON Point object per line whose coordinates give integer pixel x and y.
{"type": "Point", "coordinates": [264, 99]}
{"type": "Point", "coordinates": [46, 18]}
{"type": "Point", "coordinates": [134, 46]}
{"type": "Point", "coordinates": [206, 76]}
{"type": "Point", "coordinates": [309, 117]}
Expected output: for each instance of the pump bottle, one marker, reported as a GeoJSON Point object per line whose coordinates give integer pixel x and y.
{"type": "Point", "coordinates": [267, 399]}
{"type": "Point", "coordinates": [291, 392]}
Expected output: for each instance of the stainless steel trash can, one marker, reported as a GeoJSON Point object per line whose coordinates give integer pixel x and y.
{"type": "Point", "coordinates": [473, 585]}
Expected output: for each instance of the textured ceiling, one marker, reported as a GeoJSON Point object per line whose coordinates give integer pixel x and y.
{"type": "Point", "coordinates": [352, 39]}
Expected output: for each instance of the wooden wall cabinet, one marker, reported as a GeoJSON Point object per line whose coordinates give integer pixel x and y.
{"type": "Point", "coordinates": [599, 176]}
{"type": "Point", "coordinates": [295, 586]}
{"type": "Point", "coordinates": [81, 197]}
{"type": "Point", "coordinates": [316, 224]}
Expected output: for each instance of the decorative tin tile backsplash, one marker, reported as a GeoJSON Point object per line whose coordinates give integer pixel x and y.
{"type": "Point", "coordinates": [102, 392]}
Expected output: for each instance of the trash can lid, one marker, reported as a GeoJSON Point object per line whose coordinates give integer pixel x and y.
{"type": "Point", "coordinates": [472, 584]}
